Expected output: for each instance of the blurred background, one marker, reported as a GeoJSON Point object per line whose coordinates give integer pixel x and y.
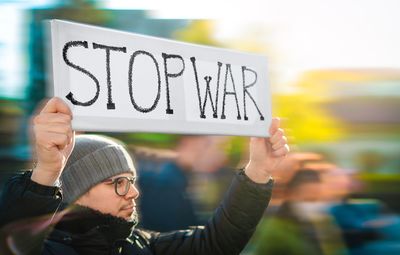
{"type": "Point", "coordinates": [334, 71]}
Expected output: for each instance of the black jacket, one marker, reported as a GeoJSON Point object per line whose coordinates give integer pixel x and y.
{"type": "Point", "coordinates": [28, 209]}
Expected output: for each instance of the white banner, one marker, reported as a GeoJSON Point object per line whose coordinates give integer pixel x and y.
{"type": "Point", "coordinates": [119, 81]}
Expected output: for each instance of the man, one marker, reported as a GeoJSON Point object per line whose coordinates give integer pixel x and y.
{"type": "Point", "coordinates": [97, 176]}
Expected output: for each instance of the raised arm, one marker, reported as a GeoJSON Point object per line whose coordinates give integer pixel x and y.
{"type": "Point", "coordinates": [266, 153]}
{"type": "Point", "coordinates": [53, 141]}
{"type": "Point", "coordinates": [234, 222]}
{"type": "Point", "coordinates": [34, 193]}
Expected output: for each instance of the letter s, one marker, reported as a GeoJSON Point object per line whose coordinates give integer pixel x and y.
{"type": "Point", "coordinates": [70, 96]}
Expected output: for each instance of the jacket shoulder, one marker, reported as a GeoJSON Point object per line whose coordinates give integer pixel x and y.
{"type": "Point", "coordinates": [51, 247]}
{"type": "Point", "coordinates": [144, 236]}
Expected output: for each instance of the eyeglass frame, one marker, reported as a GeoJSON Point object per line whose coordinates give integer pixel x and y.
{"type": "Point", "coordinates": [130, 181]}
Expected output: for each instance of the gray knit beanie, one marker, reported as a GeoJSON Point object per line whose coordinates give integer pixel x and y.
{"type": "Point", "coordinates": [93, 159]}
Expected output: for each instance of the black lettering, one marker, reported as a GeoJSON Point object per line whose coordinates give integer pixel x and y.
{"type": "Point", "coordinates": [245, 91]}
{"type": "Point", "coordinates": [131, 61]}
{"type": "Point", "coordinates": [172, 75]}
{"type": "Point", "coordinates": [228, 69]}
{"type": "Point", "coordinates": [110, 104]}
{"type": "Point", "coordinates": [70, 95]}
{"type": "Point", "coordinates": [202, 105]}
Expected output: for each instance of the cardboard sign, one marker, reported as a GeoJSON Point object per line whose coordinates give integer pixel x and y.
{"type": "Point", "coordinates": [119, 81]}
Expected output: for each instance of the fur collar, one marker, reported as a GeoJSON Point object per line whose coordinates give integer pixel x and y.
{"type": "Point", "coordinates": [84, 224]}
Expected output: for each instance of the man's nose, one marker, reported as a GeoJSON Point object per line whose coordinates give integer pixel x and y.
{"type": "Point", "coordinates": [133, 192]}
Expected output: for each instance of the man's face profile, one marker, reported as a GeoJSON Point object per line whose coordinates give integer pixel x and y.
{"type": "Point", "coordinates": [115, 196]}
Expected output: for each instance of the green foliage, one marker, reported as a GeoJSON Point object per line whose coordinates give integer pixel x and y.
{"type": "Point", "coordinates": [305, 120]}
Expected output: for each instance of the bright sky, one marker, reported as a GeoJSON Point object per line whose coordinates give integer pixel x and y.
{"type": "Point", "coordinates": [304, 35]}
{"type": "Point", "coordinates": [300, 35]}
{"type": "Point", "coordinates": [12, 63]}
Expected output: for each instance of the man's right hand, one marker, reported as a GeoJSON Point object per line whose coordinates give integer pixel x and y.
{"type": "Point", "coordinates": [53, 141]}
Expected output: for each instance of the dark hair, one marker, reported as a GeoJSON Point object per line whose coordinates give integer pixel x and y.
{"type": "Point", "coordinates": [303, 176]}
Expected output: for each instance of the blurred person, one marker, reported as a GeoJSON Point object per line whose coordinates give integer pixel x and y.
{"type": "Point", "coordinates": [167, 188]}
{"type": "Point", "coordinates": [96, 175]}
{"type": "Point", "coordinates": [338, 184]}
{"type": "Point", "coordinates": [295, 161]}
{"type": "Point", "coordinates": [365, 226]}
{"type": "Point", "coordinates": [209, 175]}
{"type": "Point", "coordinates": [300, 226]}
{"type": "Point", "coordinates": [286, 169]}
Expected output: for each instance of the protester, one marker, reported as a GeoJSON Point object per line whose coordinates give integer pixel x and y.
{"type": "Point", "coordinates": [289, 166]}
{"type": "Point", "coordinates": [166, 187]}
{"type": "Point", "coordinates": [97, 176]}
{"type": "Point", "coordinates": [366, 225]}
{"type": "Point", "coordinates": [301, 226]}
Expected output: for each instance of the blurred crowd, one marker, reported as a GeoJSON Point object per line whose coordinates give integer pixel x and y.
{"type": "Point", "coordinates": [313, 209]}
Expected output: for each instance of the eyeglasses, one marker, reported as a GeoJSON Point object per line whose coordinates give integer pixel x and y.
{"type": "Point", "coordinates": [122, 184]}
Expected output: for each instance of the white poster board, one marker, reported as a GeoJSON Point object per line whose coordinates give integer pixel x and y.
{"type": "Point", "coordinates": [119, 81]}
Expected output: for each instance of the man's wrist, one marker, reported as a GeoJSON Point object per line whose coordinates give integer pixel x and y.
{"type": "Point", "coordinates": [257, 174]}
{"type": "Point", "coordinates": [40, 189]}
{"type": "Point", "coordinates": [45, 177]}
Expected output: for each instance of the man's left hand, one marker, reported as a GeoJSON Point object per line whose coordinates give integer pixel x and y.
{"type": "Point", "coordinates": [266, 153]}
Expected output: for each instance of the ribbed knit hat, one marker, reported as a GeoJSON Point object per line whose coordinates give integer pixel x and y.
{"type": "Point", "coordinates": [93, 159]}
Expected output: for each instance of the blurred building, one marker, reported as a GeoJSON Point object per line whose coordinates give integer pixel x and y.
{"type": "Point", "coordinates": [365, 103]}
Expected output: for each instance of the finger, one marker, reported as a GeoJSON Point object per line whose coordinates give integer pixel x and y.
{"type": "Point", "coordinates": [280, 143]}
{"type": "Point", "coordinates": [55, 105]}
{"type": "Point", "coordinates": [72, 138]}
{"type": "Point", "coordinates": [283, 151]}
{"type": "Point", "coordinates": [52, 118]}
{"type": "Point", "coordinates": [275, 123]}
{"type": "Point", "coordinates": [55, 128]}
{"type": "Point", "coordinates": [277, 135]}
{"type": "Point", "coordinates": [49, 140]}
{"type": "Point", "coordinates": [60, 140]}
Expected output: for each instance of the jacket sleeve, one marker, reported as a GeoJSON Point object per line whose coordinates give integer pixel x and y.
{"type": "Point", "coordinates": [230, 228]}
{"type": "Point", "coordinates": [22, 198]}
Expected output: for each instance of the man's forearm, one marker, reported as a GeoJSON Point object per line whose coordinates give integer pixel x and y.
{"type": "Point", "coordinates": [24, 198]}
{"type": "Point", "coordinates": [231, 227]}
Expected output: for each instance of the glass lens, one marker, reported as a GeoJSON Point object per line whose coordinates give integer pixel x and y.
{"type": "Point", "coordinates": [122, 186]}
